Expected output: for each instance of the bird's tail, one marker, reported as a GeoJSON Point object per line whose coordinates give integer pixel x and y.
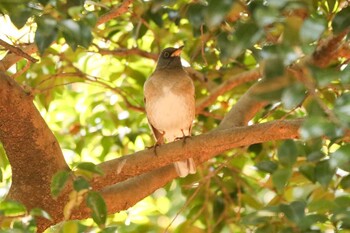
{"type": "Point", "coordinates": [185, 167]}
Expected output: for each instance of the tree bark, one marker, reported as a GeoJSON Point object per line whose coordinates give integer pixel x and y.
{"type": "Point", "coordinates": [32, 149]}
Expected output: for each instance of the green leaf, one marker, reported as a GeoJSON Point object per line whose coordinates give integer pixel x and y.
{"type": "Point", "coordinates": [43, 2]}
{"type": "Point", "coordinates": [12, 208]}
{"type": "Point", "coordinates": [315, 156]}
{"type": "Point", "coordinates": [345, 182]}
{"type": "Point", "coordinates": [345, 75]}
{"type": "Point", "coordinates": [293, 95]}
{"type": "Point", "coordinates": [109, 229]}
{"type": "Point", "coordinates": [316, 126]}
{"type": "Point", "coordinates": [287, 153]}
{"type": "Point", "coordinates": [277, 3]}
{"type": "Point", "coordinates": [90, 19]}
{"type": "Point", "coordinates": [245, 36]}
{"type": "Point", "coordinates": [98, 207]}
{"type": "Point", "coordinates": [70, 227]}
{"type": "Point", "coordinates": [195, 14]}
{"type": "Point", "coordinates": [324, 172]}
{"type": "Point", "coordinates": [294, 212]}
{"type": "Point", "coordinates": [314, 109]}
{"type": "Point", "coordinates": [308, 171]}
{"type": "Point", "coordinates": [40, 213]}
{"type": "Point", "coordinates": [342, 108]}
{"type": "Point", "coordinates": [265, 16]}
{"type": "Point", "coordinates": [274, 67]}
{"type": "Point", "coordinates": [58, 182]}
{"type": "Point", "coordinates": [19, 14]}
{"type": "Point", "coordinates": [280, 178]}
{"type": "Point", "coordinates": [267, 166]}
{"type": "Point", "coordinates": [341, 21]}
{"type": "Point", "coordinates": [71, 32]}
{"type": "Point", "coordinates": [312, 219]}
{"type": "Point", "coordinates": [312, 29]}
{"type": "Point", "coordinates": [80, 183]}
{"type": "Point", "coordinates": [216, 11]}
{"type": "Point", "coordinates": [341, 158]}
{"type": "Point", "coordinates": [325, 76]}
{"type": "Point", "coordinates": [255, 148]}
{"type": "Point", "coordinates": [76, 33]}
{"type": "Point", "coordinates": [218, 207]}
{"type": "Point", "coordinates": [89, 167]}
{"type": "Point", "coordinates": [46, 32]}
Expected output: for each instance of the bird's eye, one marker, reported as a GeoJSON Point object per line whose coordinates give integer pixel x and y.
{"type": "Point", "coordinates": [166, 54]}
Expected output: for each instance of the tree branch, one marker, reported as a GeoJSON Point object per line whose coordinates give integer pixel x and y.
{"type": "Point", "coordinates": [32, 149]}
{"type": "Point", "coordinates": [115, 12]}
{"type": "Point", "coordinates": [145, 176]}
{"type": "Point", "coordinates": [127, 52]}
{"type": "Point", "coordinates": [17, 51]}
{"type": "Point", "coordinates": [13, 58]}
{"type": "Point", "coordinates": [229, 84]}
{"type": "Point", "coordinates": [216, 142]}
{"type": "Point", "coordinates": [245, 108]}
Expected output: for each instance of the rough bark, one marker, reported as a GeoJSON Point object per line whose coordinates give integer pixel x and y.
{"type": "Point", "coordinates": [31, 147]}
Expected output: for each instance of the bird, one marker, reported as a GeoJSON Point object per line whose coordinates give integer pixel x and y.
{"type": "Point", "coordinates": [169, 96]}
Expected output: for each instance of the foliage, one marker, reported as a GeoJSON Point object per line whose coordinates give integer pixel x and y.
{"type": "Point", "coordinates": [88, 87]}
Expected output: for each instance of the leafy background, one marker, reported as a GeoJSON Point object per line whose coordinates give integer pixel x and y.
{"type": "Point", "coordinates": [88, 87]}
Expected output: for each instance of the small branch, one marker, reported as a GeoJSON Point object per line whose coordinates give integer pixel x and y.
{"type": "Point", "coordinates": [226, 86]}
{"type": "Point", "coordinates": [203, 42]}
{"type": "Point", "coordinates": [324, 54]}
{"type": "Point", "coordinates": [22, 71]}
{"type": "Point", "coordinates": [195, 74]}
{"type": "Point", "coordinates": [17, 51]}
{"type": "Point", "coordinates": [127, 52]}
{"type": "Point", "coordinates": [115, 12]}
{"type": "Point", "coordinates": [12, 58]}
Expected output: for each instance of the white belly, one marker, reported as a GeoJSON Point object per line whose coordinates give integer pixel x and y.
{"type": "Point", "coordinates": [171, 114]}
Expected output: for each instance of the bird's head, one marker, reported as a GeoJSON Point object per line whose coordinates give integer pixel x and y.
{"type": "Point", "coordinates": [170, 58]}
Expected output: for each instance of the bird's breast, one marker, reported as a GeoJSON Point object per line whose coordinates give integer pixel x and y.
{"type": "Point", "coordinates": [171, 113]}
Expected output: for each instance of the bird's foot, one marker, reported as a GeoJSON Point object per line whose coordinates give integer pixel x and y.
{"type": "Point", "coordinates": [154, 147]}
{"type": "Point", "coordinates": [184, 138]}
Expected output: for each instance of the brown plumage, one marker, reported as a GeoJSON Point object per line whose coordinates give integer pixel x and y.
{"type": "Point", "coordinates": [170, 103]}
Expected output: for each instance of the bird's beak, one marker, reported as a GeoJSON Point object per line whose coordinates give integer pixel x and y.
{"type": "Point", "coordinates": [177, 52]}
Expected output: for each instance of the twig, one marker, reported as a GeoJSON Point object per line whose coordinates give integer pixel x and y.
{"type": "Point", "coordinates": [196, 75]}
{"type": "Point", "coordinates": [323, 55]}
{"type": "Point", "coordinates": [203, 45]}
{"type": "Point", "coordinates": [22, 71]}
{"type": "Point", "coordinates": [127, 52]}
{"type": "Point", "coordinates": [17, 51]}
{"type": "Point", "coordinates": [115, 12]}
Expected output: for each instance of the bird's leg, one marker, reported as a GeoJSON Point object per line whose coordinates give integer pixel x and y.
{"type": "Point", "coordinates": [184, 137]}
{"type": "Point", "coordinates": [160, 141]}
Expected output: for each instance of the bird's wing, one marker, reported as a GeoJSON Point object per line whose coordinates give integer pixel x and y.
{"type": "Point", "coordinates": [158, 136]}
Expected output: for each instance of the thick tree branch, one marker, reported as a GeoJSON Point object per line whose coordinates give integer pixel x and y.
{"type": "Point", "coordinates": [33, 151]}
{"type": "Point", "coordinates": [145, 176]}
{"type": "Point", "coordinates": [245, 108]}
{"type": "Point", "coordinates": [216, 142]}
